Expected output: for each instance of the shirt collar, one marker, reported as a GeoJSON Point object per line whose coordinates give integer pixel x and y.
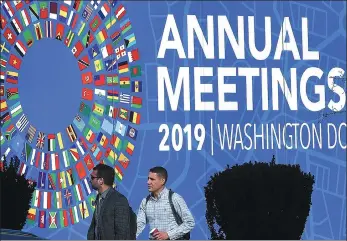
{"type": "Point", "coordinates": [103, 195]}
{"type": "Point", "coordinates": [161, 194]}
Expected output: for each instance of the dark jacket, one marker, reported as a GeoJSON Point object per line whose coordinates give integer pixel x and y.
{"type": "Point", "coordinates": [114, 218]}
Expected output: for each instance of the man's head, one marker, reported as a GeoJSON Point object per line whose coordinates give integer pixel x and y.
{"type": "Point", "coordinates": [157, 178]}
{"type": "Point", "coordinates": [102, 176]}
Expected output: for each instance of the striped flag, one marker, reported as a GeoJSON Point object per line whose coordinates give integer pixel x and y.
{"type": "Point", "coordinates": [119, 173]}
{"type": "Point", "coordinates": [22, 123]}
{"type": "Point", "coordinates": [8, 9]}
{"type": "Point", "coordinates": [53, 10]}
{"type": "Point", "coordinates": [63, 13]}
{"type": "Point", "coordinates": [120, 12]}
{"type": "Point", "coordinates": [23, 169]}
{"type": "Point", "coordinates": [84, 210]}
{"type": "Point", "coordinates": [78, 192]}
{"type": "Point", "coordinates": [66, 158]}
{"type": "Point", "coordinates": [63, 218]}
{"type": "Point", "coordinates": [16, 25]}
{"type": "Point", "coordinates": [72, 20]}
{"type": "Point", "coordinates": [31, 134]}
{"type": "Point", "coordinates": [51, 142]}
{"type": "Point", "coordinates": [89, 162]}
{"type": "Point", "coordinates": [60, 141]}
{"type": "Point", "coordinates": [38, 31]}
{"type": "Point", "coordinates": [71, 133]}
{"type": "Point", "coordinates": [16, 109]}
{"type": "Point", "coordinates": [74, 215]}
{"type": "Point", "coordinates": [25, 17]}
{"type": "Point", "coordinates": [20, 47]}
{"type": "Point", "coordinates": [58, 200]}
{"type": "Point", "coordinates": [55, 161]}
{"type": "Point", "coordinates": [47, 200]}
{"type": "Point", "coordinates": [69, 38]}
{"type": "Point", "coordinates": [52, 180]}
{"type": "Point", "coordinates": [87, 186]}
{"type": "Point", "coordinates": [104, 11]}
{"type": "Point", "coordinates": [42, 219]}
{"type": "Point", "coordinates": [36, 201]}
{"type": "Point", "coordinates": [31, 217]}
{"type": "Point", "coordinates": [49, 29]}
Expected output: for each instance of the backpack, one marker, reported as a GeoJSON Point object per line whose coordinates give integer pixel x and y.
{"type": "Point", "coordinates": [176, 215]}
{"type": "Point", "coordinates": [133, 224]}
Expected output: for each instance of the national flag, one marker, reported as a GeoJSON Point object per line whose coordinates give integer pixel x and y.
{"type": "Point", "coordinates": [45, 161]}
{"type": "Point", "coordinates": [49, 29]}
{"type": "Point", "coordinates": [91, 201]}
{"type": "Point", "coordinates": [34, 12]}
{"type": "Point", "coordinates": [79, 123]}
{"type": "Point", "coordinates": [22, 123]}
{"type": "Point", "coordinates": [107, 126]}
{"type": "Point", "coordinates": [68, 2]}
{"type": "Point", "coordinates": [125, 26]}
{"type": "Point", "coordinates": [71, 133]}
{"type": "Point", "coordinates": [120, 12]}
{"type": "Point", "coordinates": [37, 158]}
{"type": "Point", "coordinates": [74, 153]}
{"type": "Point", "coordinates": [96, 152]}
{"type": "Point", "coordinates": [51, 142]}
{"type": "Point", "coordinates": [119, 173]}
{"type": "Point", "coordinates": [8, 9]}
{"type": "Point", "coordinates": [61, 180]}
{"type": "Point", "coordinates": [25, 17]}
{"type": "Point", "coordinates": [89, 134]}
{"type": "Point", "coordinates": [80, 27]}
{"type": "Point", "coordinates": [136, 86]}
{"type": "Point", "coordinates": [38, 31]}
{"type": "Point", "coordinates": [59, 33]}
{"type": "Point", "coordinates": [95, 3]}
{"type": "Point", "coordinates": [15, 61]}
{"type": "Point", "coordinates": [101, 36]}
{"type": "Point", "coordinates": [42, 219]}
{"type": "Point", "coordinates": [5, 119]}
{"type": "Point", "coordinates": [74, 215]}
{"type": "Point", "coordinates": [70, 176]}
{"type": "Point", "coordinates": [123, 160]}
{"type": "Point", "coordinates": [111, 156]}
{"type": "Point", "coordinates": [4, 50]}
{"type": "Point", "coordinates": [81, 171]}
{"type": "Point", "coordinates": [112, 79]}
{"type": "Point", "coordinates": [110, 64]}
{"type": "Point", "coordinates": [87, 94]}
{"type": "Point", "coordinates": [120, 128]}
{"type": "Point", "coordinates": [93, 51]}
{"type": "Point", "coordinates": [109, 22]}
{"type": "Point", "coordinates": [88, 39]}
{"type": "Point", "coordinates": [28, 37]}
{"type": "Point", "coordinates": [102, 139]}
{"type": "Point", "coordinates": [28, 150]}
{"type": "Point", "coordinates": [99, 94]}
{"type": "Point", "coordinates": [89, 162]}
{"type": "Point", "coordinates": [40, 142]}
{"type": "Point", "coordinates": [120, 51]}
{"type": "Point", "coordinates": [136, 102]}
{"type": "Point", "coordinates": [23, 170]}
{"type": "Point", "coordinates": [12, 93]}
{"type": "Point", "coordinates": [72, 20]}
{"type": "Point", "coordinates": [43, 10]}
{"type": "Point", "coordinates": [31, 217]}
{"type": "Point", "coordinates": [78, 5]}
{"type": "Point", "coordinates": [66, 158]}
{"type": "Point", "coordinates": [124, 82]}
{"type": "Point", "coordinates": [104, 11]}
{"type": "Point", "coordinates": [123, 67]}
{"type": "Point", "coordinates": [87, 78]}
{"type": "Point", "coordinates": [99, 80]}
{"type": "Point", "coordinates": [52, 180]}
{"type": "Point", "coordinates": [16, 109]}
{"type": "Point", "coordinates": [64, 222]}
{"type": "Point", "coordinates": [36, 201]}
{"type": "Point", "coordinates": [123, 114]}
{"type": "Point", "coordinates": [67, 197]}
{"type": "Point", "coordinates": [133, 55]}
{"type": "Point", "coordinates": [116, 37]}
{"type": "Point", "coordinates": [52, 221]}
{"type": "Point", "coordinates": [3, 63]}
{"type": "Point", "coordinates": [18, 4]}
{"type": "Point", "coordinates": [69, 38]}
{"type": "Point", "coordinates": [132, 132]}
{"type": "Point", "coordinates": [63, 13]}
{"type": "Point", "coordinates": [77, 49]}
{"type": "Point", "coordinates": [16, 25]}
{"type": "Point", "coordinates": [85, 109]}
{"type": "Point", "coordinates": [3, 21]}
{"type": "Point", "coordinates": [94, 122]}
{"type": "Point", "coordinates": [116, 142]}
{"type": "Point", "coordinates": [113, 95]}
{"type": "Point", "coordinates": [135, 71]}
{"type": "Point", "coordinates": [60, 141]}
{"type": "Point", "coordinates": [128, 147]}
{"type": "Point", "coordinates": [84, 210]}
{"type": "Point", "coordinates": [78, 192]}
{"type": "Point", "coordinates": [98, 109]}
{"type": "Point", "coordinates": [130, 40]}
{"type": "Point", "coordinates": [30, 134]}
{"type": "Point", "coordinates": [87, 12]}
{"type": "Point", "coordinates": [10, 132]}
{"type": "Point", "coordinates": [95, 23]}
{"type": "Point", "coordinates": [58, 200]}
{"type": "Point", "coordinates": [2, 88]}
{"type": "Point", "coordinates": [47, 200]}
{"type": "Point", "coordinates": [83, 62]}
{"type": "Point", "coordinates": [135, 117]}
{"type": "Point", "coordinates": [53, 10]}
{"type": "Point", "coordinates": [106, 50]}
{"type": "Point", "coordinates": [111, 111]}
{"type": "Point", "coordinates": [81, 148]}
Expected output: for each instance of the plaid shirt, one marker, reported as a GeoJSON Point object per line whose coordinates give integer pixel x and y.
{"type": "Point", "coordinates": [159, 215]}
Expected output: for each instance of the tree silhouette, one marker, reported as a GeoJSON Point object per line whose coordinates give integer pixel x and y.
{"type": "Point", "coordinates": [16, 194]}
{"type": "Point", "coordinates": [258, 201]}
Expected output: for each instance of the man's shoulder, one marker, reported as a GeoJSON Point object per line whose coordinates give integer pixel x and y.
{"type": "Point", "coordinates": [117, 196]}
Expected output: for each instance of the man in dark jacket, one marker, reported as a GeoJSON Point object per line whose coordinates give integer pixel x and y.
{"type": "Point", "coordinates": [111, 219]}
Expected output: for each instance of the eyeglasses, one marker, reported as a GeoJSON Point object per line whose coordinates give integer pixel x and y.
{"type": "Point", "coordinates": [92, 177]}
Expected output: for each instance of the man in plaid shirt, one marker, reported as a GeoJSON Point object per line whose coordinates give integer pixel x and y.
{"type": "Point", "coordinates": [157, 212]}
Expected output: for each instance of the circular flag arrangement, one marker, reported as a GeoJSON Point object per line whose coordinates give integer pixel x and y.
{"type": "Point", "coordinates": [104, 130]}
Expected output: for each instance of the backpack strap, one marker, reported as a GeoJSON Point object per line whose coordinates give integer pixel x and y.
{"type": "Point", "coordinates": [147, 199]}
{"type": "Point", "coordinates": [174, 212]}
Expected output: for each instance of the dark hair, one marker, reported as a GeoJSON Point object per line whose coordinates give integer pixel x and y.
{"type": "Point", "coordinates": [161, 172]}
{"type": "Point", "coordinates": [106, 172]}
